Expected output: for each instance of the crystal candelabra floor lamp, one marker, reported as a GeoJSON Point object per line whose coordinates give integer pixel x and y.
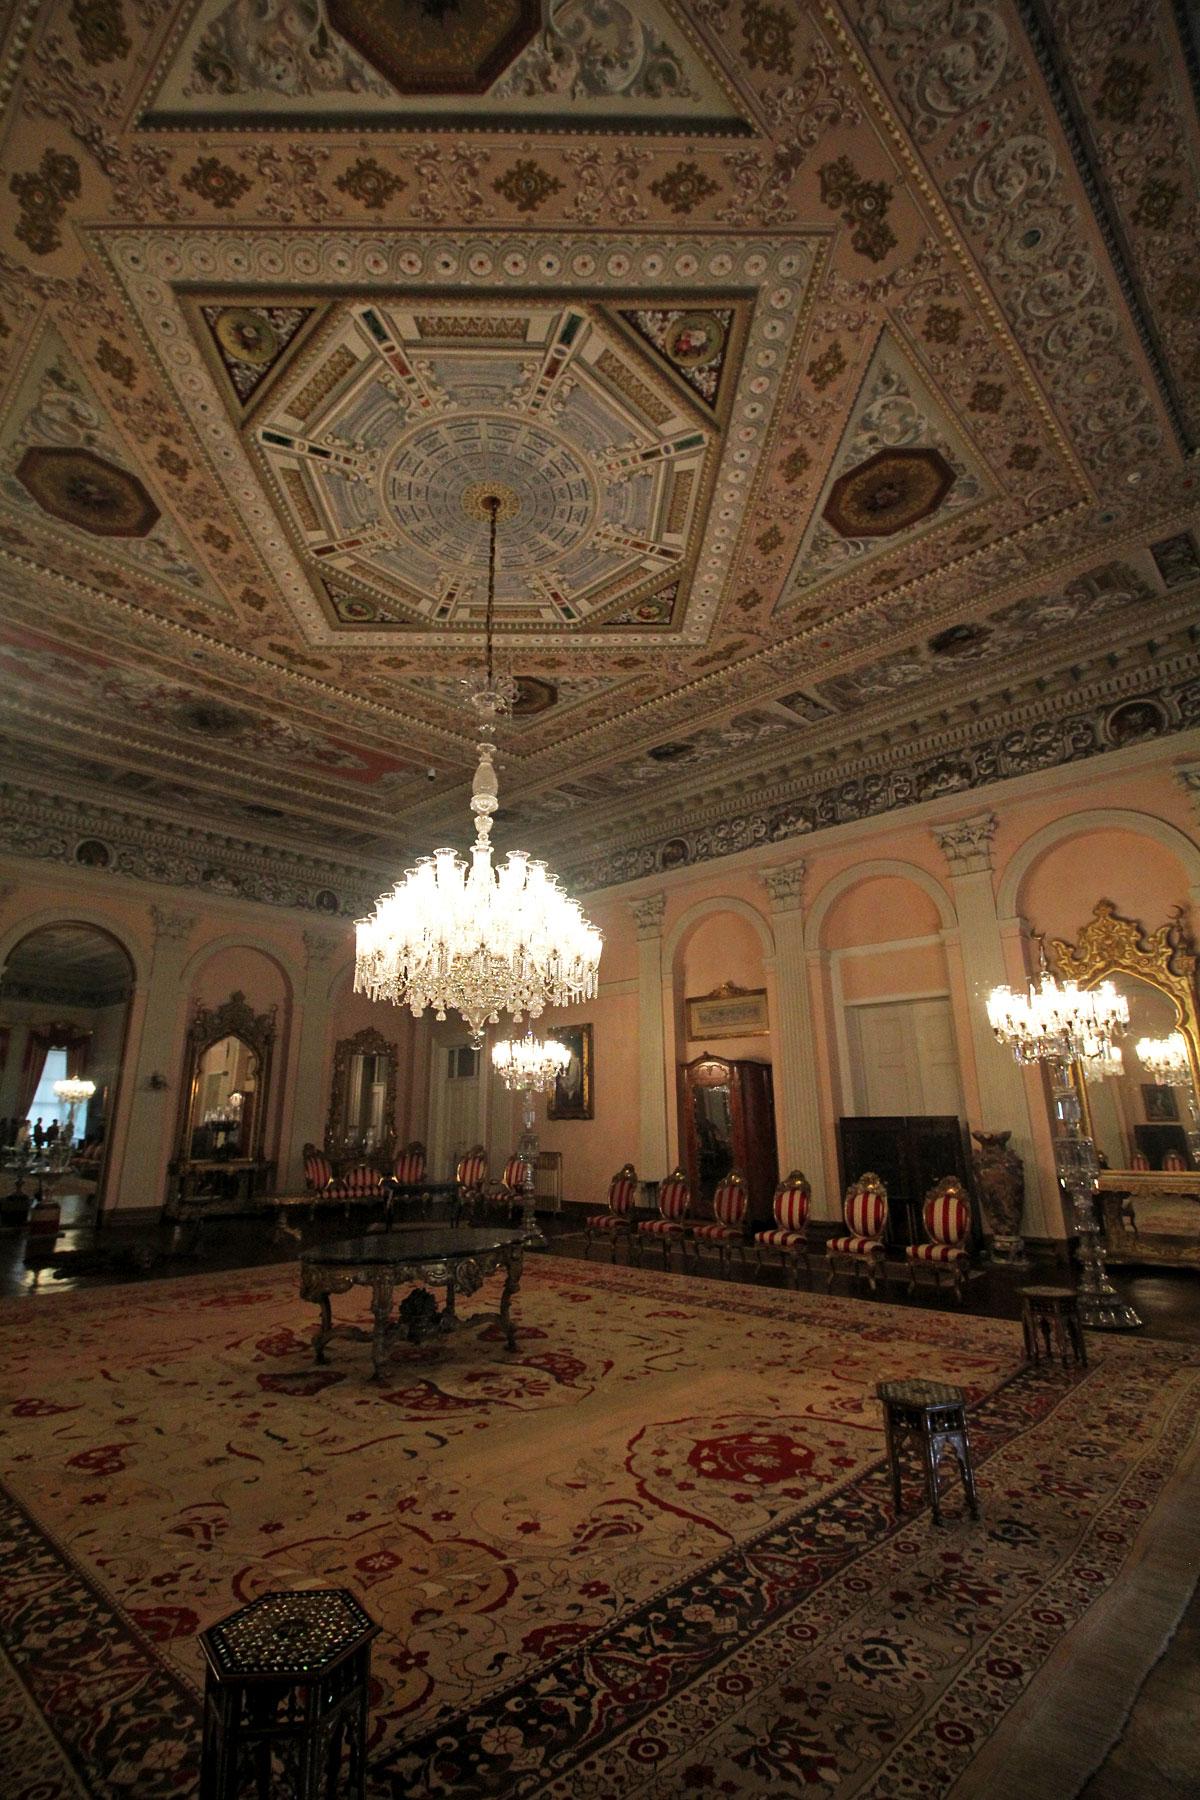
{"type": "Point", "coordinates": [1058, 1024]}
{"type": "Point", "coordinates": [528, 1066]}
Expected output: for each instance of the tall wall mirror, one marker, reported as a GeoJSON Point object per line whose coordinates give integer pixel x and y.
{"type": "Point", "coordinates": [223, 1113]}
{"type": "Point", "coordinates": [1141, 1105]}
{"type": "Point", "coordinates": [362, 1100]}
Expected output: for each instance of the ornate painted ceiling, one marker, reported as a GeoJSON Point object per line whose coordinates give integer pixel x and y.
{"type": "Point", "coordinates": [839, 368]}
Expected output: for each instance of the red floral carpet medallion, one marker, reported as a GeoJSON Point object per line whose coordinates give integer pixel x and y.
{"type": "Point", "coordinates": [651, 1552]}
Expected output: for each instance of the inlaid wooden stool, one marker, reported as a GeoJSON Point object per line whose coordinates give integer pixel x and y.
{"type": "Point", "coordinates": [935, 1416]}
{"type": "Point", "coordinates": [1052, 1311]}
{"type": "Point", "coordinates": [285, 1699]}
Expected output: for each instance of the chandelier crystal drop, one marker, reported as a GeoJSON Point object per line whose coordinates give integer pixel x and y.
{"type": "Point", "coordinates": [1165, 1059]}
{"type": "Point", "coordinates": [479, 939]}
{"type": "Point", "coordinates": [1101, 1061]}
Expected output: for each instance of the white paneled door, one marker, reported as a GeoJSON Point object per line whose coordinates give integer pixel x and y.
{"type": "Point", "coordinates": [904, 1058]}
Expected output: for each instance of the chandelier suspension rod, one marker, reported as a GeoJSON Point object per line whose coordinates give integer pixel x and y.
{"type": "Point", "coordinates": [492, 502]}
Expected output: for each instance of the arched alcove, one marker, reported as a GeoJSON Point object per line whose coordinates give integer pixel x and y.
{"type": "Point", "coordinates": [888, 992]}
{"type": "Point", "coordinates": [64, 1012]}
{"type": "Point", "coordinates": [1125, 848]}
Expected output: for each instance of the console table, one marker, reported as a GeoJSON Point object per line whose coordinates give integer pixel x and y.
{"type": "Point", "coordinates": [456, 1258]}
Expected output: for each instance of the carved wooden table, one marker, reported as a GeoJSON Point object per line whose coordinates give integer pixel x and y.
{"type": "Point", "coordinates": [1052, 1312]}
{"type": "Point", "coordinates": [933, 1416]}
{"type": "Point", "coordinates": [456, 1258]}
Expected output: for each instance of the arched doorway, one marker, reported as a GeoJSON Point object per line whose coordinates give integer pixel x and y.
{"type": "Point", "coordinates": [64, 1009]}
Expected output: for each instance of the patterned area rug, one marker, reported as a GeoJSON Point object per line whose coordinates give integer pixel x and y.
{"type": "Point", "coordinates": [652, 1552]}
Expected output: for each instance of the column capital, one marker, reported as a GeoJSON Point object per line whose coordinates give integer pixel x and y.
{"type": "Point", "coordinates": [648, 912]}
{"type": "Point", "coordinates": [785, 886]}
{"type": "Point", "coordinates": [170, 925]}
{"type": "Point", "coordinates": [967, 843]}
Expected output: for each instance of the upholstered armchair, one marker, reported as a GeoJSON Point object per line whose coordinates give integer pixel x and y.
{"type": "Point", "coordinates": [318, 1170]}
{"type": "Point", "coordinates": [672, 1225]}
{"type": "Point", "coordinates": [727, 1228]}
{"type": "Point", "coordinates": [471, 1176]}
{"type": "Point", "coordinates": [357, 1185]}
{"type": "Point", "coordinates": [789, 1234]}
{"type": "Point", "coordinates": [508, 1194]}
{"type": "Point", "coordinates": [617, 1222]}
{"type": "Point", "coordinates": [946, 1217]}
{"type": "Point", "coordinates": [408, 1170]}
{"type": "Point", "coordinates": [865, 1214]}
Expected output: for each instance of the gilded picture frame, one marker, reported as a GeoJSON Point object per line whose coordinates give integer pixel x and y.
{"type": "Point", "coordinates": [728, 1012]}
{"type": "Point", "coordinates": [573, 1093]}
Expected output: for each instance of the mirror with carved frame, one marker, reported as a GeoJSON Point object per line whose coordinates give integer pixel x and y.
{"type": "Point", "coordinates": [1145, 1123]}
{"type": "Point", "coordinates": [362, 1098]}
{"type": "Point", "coordinates": [227, 1073]}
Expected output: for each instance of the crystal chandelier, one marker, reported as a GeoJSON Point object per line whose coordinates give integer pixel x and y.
{"type": "Point", "coordinates": [1057, 1019]}
{"type": "Point", "coordinates": [1165, 1059]}
{"type": "Point", "coordinates": [470, 936]}
{"type": "Point", "coordinates": [1058, 1023]}
{"type": "Point", "coordinates": [529, 1064]}
{"type": "Point", "coordinates": [75, 1092]}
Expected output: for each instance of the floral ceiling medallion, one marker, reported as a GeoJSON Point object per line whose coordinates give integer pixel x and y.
{"type": "Point", "coordinates": [83, 490]}
{"type": "Point", "coordinates": [889, 492]}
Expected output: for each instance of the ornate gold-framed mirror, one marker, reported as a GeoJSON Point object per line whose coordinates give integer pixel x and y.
{"type": "Point", "coordinates": [227, 1073]}
{"type": "Point", "coordinates": [1142, 1109]}
{"type": "Point", "coordinates": [362, 1096]}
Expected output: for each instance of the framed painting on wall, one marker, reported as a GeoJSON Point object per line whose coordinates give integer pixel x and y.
{"type": "Point", "coordinates": [1159, 1102]}
{"type": "Point", "coordinates": [728, 1012]}
{"type": "Point", "coordinates": [572, 1096]}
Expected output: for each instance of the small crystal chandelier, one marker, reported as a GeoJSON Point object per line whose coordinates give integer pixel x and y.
{"type": "Point", "coordinates": [529, 1064]}
{"type": "Point", "coordinates": [75, 1092]}
{"type": "Point", "coordinates": [469, 936]}
{"type": "Point", "coordinates": [1166, 1059]}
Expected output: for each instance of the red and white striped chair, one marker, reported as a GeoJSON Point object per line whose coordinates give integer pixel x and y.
{"type": "Point", "coordinates": [508, 1194]}
{"type": "Point", "coordinates": [727, 1227]}
{"type": "Point", "coordinates": [471, 1176]}
{"type": "Point", "coordinates": [672, 1225]}
{"type": "Point", "coordinates": [946, 1217]}
{"type": "Point", "coordinates": [1140, 1162]}
{"type": "Point", "coordinates": [789, 1234]}
{"type": "Point", "coordinates": [356, 1186]}
{"type": "Point", "coordinates": [408, 1170]}
{"type": "Point", "coordinates": [1173, 1163]}
{"type": "Point", "coordinates": [617, 1222]}
{"type": "Point", "coordinates": [318, 1170]}
{"type": "Point", "coordinates": [865, 1213]}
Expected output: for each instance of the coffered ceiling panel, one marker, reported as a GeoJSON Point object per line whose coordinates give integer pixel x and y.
{"type": "Point", "coordinates": [835, 363]}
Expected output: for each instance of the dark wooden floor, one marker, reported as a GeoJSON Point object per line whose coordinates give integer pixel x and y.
{"type": "Point", "coordinates": [1158, 1754]}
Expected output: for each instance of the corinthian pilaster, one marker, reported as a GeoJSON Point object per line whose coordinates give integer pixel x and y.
{"type": "Point", "coordinates": [798, 1122]}
{"type": "Point", "coordinates": [647, 912]}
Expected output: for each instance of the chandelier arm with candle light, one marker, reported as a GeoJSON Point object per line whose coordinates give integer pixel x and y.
{"type": "Point", "coordinates": [1059, 1024]}
{"type": "Point", "coordinates": [474, 938]}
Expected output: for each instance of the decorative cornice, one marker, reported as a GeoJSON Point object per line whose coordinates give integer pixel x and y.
{"type": "Point", "coordinates": [1062, 728]}
{"type": "Point", "coordinates": [785, 886]}
{"type": "Point", "coordinates": [648, 912]}
{"type": "Point", "coordinates": [967, 843]}
{"type": "Point", "coordinates": [106, 841]}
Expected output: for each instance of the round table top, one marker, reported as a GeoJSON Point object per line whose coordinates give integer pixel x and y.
{"type": "Point", "coordinates": [1046, 1293]}
{"type": "Point", "coordinates": [436, 1244]}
